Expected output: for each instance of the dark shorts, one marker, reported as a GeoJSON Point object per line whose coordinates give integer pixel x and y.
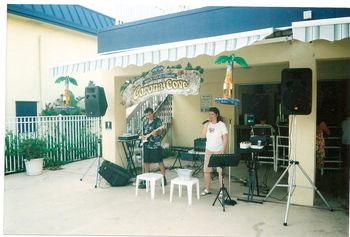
{"type": "Point", "coordinates": [152, 155]}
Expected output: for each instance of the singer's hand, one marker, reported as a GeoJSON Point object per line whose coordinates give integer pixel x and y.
{"type": "Point", "coordinates": [205, 126]}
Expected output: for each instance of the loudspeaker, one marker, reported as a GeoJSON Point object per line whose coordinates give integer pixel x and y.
{"type": "Point", "coordinates": [95, 101]}
{"type": "Point", "coordinates": [114, 174]}
{"type": "Point", "coordinates": [296, 91]}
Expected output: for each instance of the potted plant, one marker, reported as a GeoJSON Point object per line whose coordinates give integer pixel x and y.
{"type": "Point", "coordinates": [34, 151]}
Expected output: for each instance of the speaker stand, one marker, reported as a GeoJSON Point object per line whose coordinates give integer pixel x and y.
{"type": "Point", "coordinates": [292, 182]}
{"type": "Point", "coordinates": [98, 158]}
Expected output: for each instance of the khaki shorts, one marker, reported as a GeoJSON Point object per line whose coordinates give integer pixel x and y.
{"type": "Point", "coordinates": [206, 162]}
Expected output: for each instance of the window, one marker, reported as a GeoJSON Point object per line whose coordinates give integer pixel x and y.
{"type": "Point", "coordinates": [26, 109]}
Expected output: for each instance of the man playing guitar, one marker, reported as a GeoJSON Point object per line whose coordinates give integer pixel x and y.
{"type": "Point", "coordinates": [151, 140]}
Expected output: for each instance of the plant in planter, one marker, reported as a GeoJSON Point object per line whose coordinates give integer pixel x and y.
{"type": "Point", "coordinates": [34, 151]}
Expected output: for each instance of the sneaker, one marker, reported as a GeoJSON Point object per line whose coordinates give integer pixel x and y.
{"type": "Point", "coordinates": [142, 185]}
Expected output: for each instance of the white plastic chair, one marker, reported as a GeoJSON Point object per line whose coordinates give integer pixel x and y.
{"type": "Point", "coordinates": [150, 179]}
{"type": "Point", "coordinates": [183, 182]}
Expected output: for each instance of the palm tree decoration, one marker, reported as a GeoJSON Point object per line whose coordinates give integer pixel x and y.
{"type": "Point", "coordinates": [230, 60]}
{"type": "Point", "coordinates": [67, 80]}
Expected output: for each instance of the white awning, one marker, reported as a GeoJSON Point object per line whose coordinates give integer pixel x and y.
{"type": "Point", "coordinates": [166, 52]}
{"type": "Point", "coordinates": [327, 29]}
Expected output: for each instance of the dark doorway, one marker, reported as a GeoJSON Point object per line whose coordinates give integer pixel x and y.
{"type": "Point", "coordinates": [332, 100]}
{"type": "Point", "coordinates": [332, 104]}
{"type": "Point", "coordinates": [260, 100]}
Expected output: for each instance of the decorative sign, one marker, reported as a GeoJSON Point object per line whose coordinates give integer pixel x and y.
{"type": "Point", "coordinates": [161, 80]}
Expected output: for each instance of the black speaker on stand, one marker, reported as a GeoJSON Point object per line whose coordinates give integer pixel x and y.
{"type": "Point", "coordinates": [296, 100]}
{"type": "Point", "coordinates": [95, 106]}
{"type": "Point", "coordinates": [95, 101]}
{"type": "Point", "coordinates": [296, 91]}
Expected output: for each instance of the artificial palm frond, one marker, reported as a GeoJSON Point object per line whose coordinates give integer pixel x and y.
{"type": "Point", "coordinates": [67, 79]}
{"type": "Point", "coordinates": [231, 58]}
{"type": "Point", "coordinates": [60, 79]}
{"type": "Point", "coordinates": [72, 81]}
{"type": "Point", "coordinates": [222, 59]}
{"type": "Point", "coordinates": [240, 61]}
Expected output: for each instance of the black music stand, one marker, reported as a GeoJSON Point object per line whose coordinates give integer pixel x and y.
{"type": "Point", "coordinates": [259, 144]}
{"type": "Point", "coordinates": [223, 160]}
{"type": "Point", "coordinates": [252, 164]}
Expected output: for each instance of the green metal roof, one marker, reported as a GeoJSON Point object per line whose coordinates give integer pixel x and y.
{"type": "Point", "coordinates": [73, 17]}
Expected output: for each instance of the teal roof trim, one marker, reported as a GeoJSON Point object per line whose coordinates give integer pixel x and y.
{"type": "Point", "coordinates": [73, 17]}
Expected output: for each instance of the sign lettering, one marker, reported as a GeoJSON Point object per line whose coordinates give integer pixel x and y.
{"type": "Point", "coordinates": [162, 81]}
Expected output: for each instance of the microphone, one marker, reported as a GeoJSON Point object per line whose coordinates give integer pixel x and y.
{"type": "Point", "coordinates": [204, 122]}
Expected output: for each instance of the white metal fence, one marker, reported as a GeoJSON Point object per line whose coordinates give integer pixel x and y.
{"type": "Point", "coordinates": [69, 138]}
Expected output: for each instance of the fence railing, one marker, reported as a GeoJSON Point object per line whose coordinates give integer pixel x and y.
{"type": "Point", "coordinates": [69, 138]}
{"type": "Point", "coordinates": [162, 106]}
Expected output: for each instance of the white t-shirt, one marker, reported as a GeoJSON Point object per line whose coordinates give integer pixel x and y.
{"type": "Point", "coordinates": [215, 131]}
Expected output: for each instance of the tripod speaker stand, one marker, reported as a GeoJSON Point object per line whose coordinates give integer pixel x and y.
{"type": "Point", "coordinates": [98, 158]}
{"type": "Point", "coordinates": [293, 164]}
{"type": "Point", "coordinates": [223, 160]}
{"type": "Point", "coordinates": [95, 106]}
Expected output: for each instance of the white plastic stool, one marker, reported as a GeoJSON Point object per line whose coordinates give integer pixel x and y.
{"type": "Point", "coordinates": [189, 183]}
{"type": "Point", "coordinates": [150, 178]}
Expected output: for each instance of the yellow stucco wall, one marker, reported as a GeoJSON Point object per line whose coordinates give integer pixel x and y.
{"type": "Point", "coordinates": [32, 47]}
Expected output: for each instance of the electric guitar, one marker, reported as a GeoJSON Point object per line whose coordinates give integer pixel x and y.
{"type": "Point", "coordinates": [145, 138]}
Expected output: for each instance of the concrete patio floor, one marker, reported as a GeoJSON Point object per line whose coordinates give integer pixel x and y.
{"type": "Point", "coordinates": [57, 202]}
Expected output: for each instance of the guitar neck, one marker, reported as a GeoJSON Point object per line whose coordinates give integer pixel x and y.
{"type": "Point", "coordinates": [155, 130]}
